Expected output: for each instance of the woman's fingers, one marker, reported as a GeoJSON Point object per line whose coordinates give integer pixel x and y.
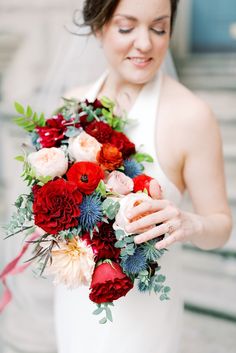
{"type": "Point", "coordinates": [151, 234]}
{"type": "Point", "coordinates": [143, 207]}
{"type": "Point", "coordinates": [151, 219]}
{"type": "Point", "coordinates": [173, 238]}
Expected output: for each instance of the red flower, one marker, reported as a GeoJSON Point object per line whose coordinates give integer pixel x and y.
{"type": "Point", "coordinates": [121, 141]}
{"type": "Point", "coordinates": [109, 157]}
{"type": "Point", "coordinates": [109, 283]}
{"type": "Point", "coordinates": [103, 242]}
{"type": "Point", "coordinates": [86, 175]}
{"type": "Point", "coordinates": [100, 130]}
{"type": "Point", "coordinates": [56, 206]}
{"type": "Point", "coordinates": [142, 182]}
{"type": "Point", "coordinates": [53, 132]}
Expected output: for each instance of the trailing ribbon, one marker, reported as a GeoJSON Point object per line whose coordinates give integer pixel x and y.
{"type": "Point", "coordinates": [12, 269]}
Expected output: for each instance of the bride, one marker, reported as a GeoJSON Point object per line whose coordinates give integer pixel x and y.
{"type": "Point", "coordinates": [182, 135]}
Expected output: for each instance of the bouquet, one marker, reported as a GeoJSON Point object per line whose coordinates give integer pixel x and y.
{"type": "Point", "coordinates": [84, 175]}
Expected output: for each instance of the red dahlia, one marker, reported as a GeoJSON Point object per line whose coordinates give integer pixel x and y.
{"type": "Point", "coordinates": [86, 175]}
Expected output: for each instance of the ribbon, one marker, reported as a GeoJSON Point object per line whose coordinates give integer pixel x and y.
{"type": "Point", "coordinates": [12, 269]}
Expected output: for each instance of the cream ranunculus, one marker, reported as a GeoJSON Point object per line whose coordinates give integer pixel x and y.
{"type": "Point", "coordinates": [84, 147]}
{"type": "Point", "coordinates": [126, 204]}
{"type": "Point", "coordinates": [72, 264]}
{"type": "Point", "coordinates": [48, 162]}
{"type": "Point", "coordinates": [119, 183]}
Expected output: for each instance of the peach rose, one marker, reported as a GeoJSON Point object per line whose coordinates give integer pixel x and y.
{"type": "Point", "coordinates": [119, 183]}
{"type": "Point", "coordinates": [48, 162]}
{"type": "Point", "coordinates": [126, 204]}
{"type": "Point", "coordinates": [84, 147]}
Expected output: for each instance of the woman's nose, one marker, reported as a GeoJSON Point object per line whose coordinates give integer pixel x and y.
{"type": "Point", "coordinates": [143, 41]}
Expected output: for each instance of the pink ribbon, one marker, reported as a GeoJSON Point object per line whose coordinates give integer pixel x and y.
{"type": "Point", "coordinates": [13, 269]}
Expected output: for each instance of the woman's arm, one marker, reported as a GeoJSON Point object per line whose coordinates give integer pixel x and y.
{"type": "Point", "coordinates": [203, 174]}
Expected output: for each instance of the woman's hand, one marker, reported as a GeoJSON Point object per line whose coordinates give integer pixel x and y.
{"type": "Point", "coordinates": [163, 218]}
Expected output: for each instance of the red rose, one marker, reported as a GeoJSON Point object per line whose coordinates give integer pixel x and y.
{"type": "Point", "coordinates": [53, 132]}
{"type": "Point", "coordinates": [103, 242]}
{"type": "Point", "coordinates": [109, 157]}
{"type": "Point", "coordinates": [143, 181]}
{"type": "Point", "coordinates": [121, 141]}
{"type": "Point", "coordinates": [56, 206]}
{"type": "Point", "coordinates": [109, 283]}
{"type": "Point", "coordinates": [86, 175]}
{"type": "Point", "coordinates": [100, 131]}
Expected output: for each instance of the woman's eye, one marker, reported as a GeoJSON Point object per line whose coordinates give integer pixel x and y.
{"type": "Point", "coordinates": [159, 32]}
{"type": "Point", "coordinates": [123, 30]}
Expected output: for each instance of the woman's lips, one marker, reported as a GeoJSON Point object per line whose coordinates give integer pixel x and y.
{"type": "Point", "coordinates": [140, 62]}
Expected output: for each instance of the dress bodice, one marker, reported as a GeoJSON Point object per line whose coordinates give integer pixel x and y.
{"type": "Point", "coordinates": [143, 131]}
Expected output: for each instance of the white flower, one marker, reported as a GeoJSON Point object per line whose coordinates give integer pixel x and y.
{"type": "Point", "coordinates": [126, 204]}
{"type": "Point", "coordinates": [84, 147]}
{"type": "Point", "coordinates": [119, 183]}
{"type": "Point", "coordinates": [72, 264]}
{"type": "Point", "coordinates": [48, 162]}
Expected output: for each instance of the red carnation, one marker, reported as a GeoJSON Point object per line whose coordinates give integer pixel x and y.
{"type": "Point", "coordinates": [103, 242]}
{"type": "Point", "coordinates": [121, 141]}
{"type": "Point", "coordinates": [56, 206]}
{"type": "Point", "coordinates": [100, 130]}
{"type": "Point", "coordinates": [53, 132]}
{"type": "Point", "coordinates": [86, 175]}
{"type": "Point", "coordinates": [109, 283]}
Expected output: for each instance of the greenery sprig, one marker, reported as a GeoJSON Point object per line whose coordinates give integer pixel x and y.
{"type": "Point", "coordinates": [27, 119]}
{"type": "Point", "coordinates": [104, 307]}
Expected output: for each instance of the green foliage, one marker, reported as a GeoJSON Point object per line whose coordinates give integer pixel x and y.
{"type": "Point", "coordinates": [101, 188]}
{"type": "Point", "coordinates": [110, 208]}
{"type": "Point", "coordinates": [142, 157]}
{"type": "Point", "coordinates": [152, 254]}
{"type": "Point", "coordinates": [104, 307]}
{"type": "Point", "coordinates": [116, 122]}
{"type": "Point", "coordinates": [22, 219]}
{"type": "Point", "coordinates": [27, 119]}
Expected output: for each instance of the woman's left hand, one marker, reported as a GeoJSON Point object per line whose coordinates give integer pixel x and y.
{"type": "Point", "coordinates": [164, 218]}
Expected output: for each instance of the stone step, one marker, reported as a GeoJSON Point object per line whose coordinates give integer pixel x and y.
{"type": "Point", "coordinates": [205, 334]}
{"type": "Point", "coordinates": [209, 281]}
{"type": "Point", "coordinates": [223, 104]}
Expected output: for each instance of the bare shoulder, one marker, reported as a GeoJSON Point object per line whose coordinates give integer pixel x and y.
{"type": "Point", "coordinates": [187, 112]}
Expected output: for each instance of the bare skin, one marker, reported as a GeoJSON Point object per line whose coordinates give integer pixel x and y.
{"type": "Point", "coordinates": [189, 149]}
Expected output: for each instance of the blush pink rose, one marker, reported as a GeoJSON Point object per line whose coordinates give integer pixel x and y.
{"type": "Point", "coordinates": [119, 183]}
{"type": "Point", "coordinates": [84, 148]}
{"type": "Point", "coordinates": [48, 162]}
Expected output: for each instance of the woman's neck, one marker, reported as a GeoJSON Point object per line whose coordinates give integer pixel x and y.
{"type": "Point", "coordinates": [123, 93]}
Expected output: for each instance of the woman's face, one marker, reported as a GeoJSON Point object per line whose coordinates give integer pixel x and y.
{"type": "Point", "coordinates": [136, 38]}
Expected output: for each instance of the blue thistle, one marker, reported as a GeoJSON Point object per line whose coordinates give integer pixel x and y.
{"type": "Point", "coordinates": [90, 211]}
{"type": "Point", "coordinates": [135, 263]}
{"type": "Point", "coordinates": [132, 168]}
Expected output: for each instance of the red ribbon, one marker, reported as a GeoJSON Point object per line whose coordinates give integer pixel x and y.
{"type": "Point", "coordinates": [13, 269]}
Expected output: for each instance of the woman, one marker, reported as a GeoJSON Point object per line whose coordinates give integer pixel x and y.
{"type": "Point", "coordinates": [180, 129]}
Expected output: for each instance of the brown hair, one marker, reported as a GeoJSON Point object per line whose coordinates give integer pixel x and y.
{"type": "Point", "coordinates": [98, 12]}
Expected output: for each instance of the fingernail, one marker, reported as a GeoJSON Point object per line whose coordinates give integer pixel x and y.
{"type": "Point", "coordinates": [137, 240]}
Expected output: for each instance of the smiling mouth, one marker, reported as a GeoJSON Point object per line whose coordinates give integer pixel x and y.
{"type": "Point", "coordinates": [139, 61]}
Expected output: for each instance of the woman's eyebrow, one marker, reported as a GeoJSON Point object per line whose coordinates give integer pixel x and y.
{"type": "Point", "coordinates": [134, 19]}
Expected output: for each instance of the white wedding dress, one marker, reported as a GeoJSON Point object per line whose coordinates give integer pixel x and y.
{"type": "Point", "coordinates": [142, 323]}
